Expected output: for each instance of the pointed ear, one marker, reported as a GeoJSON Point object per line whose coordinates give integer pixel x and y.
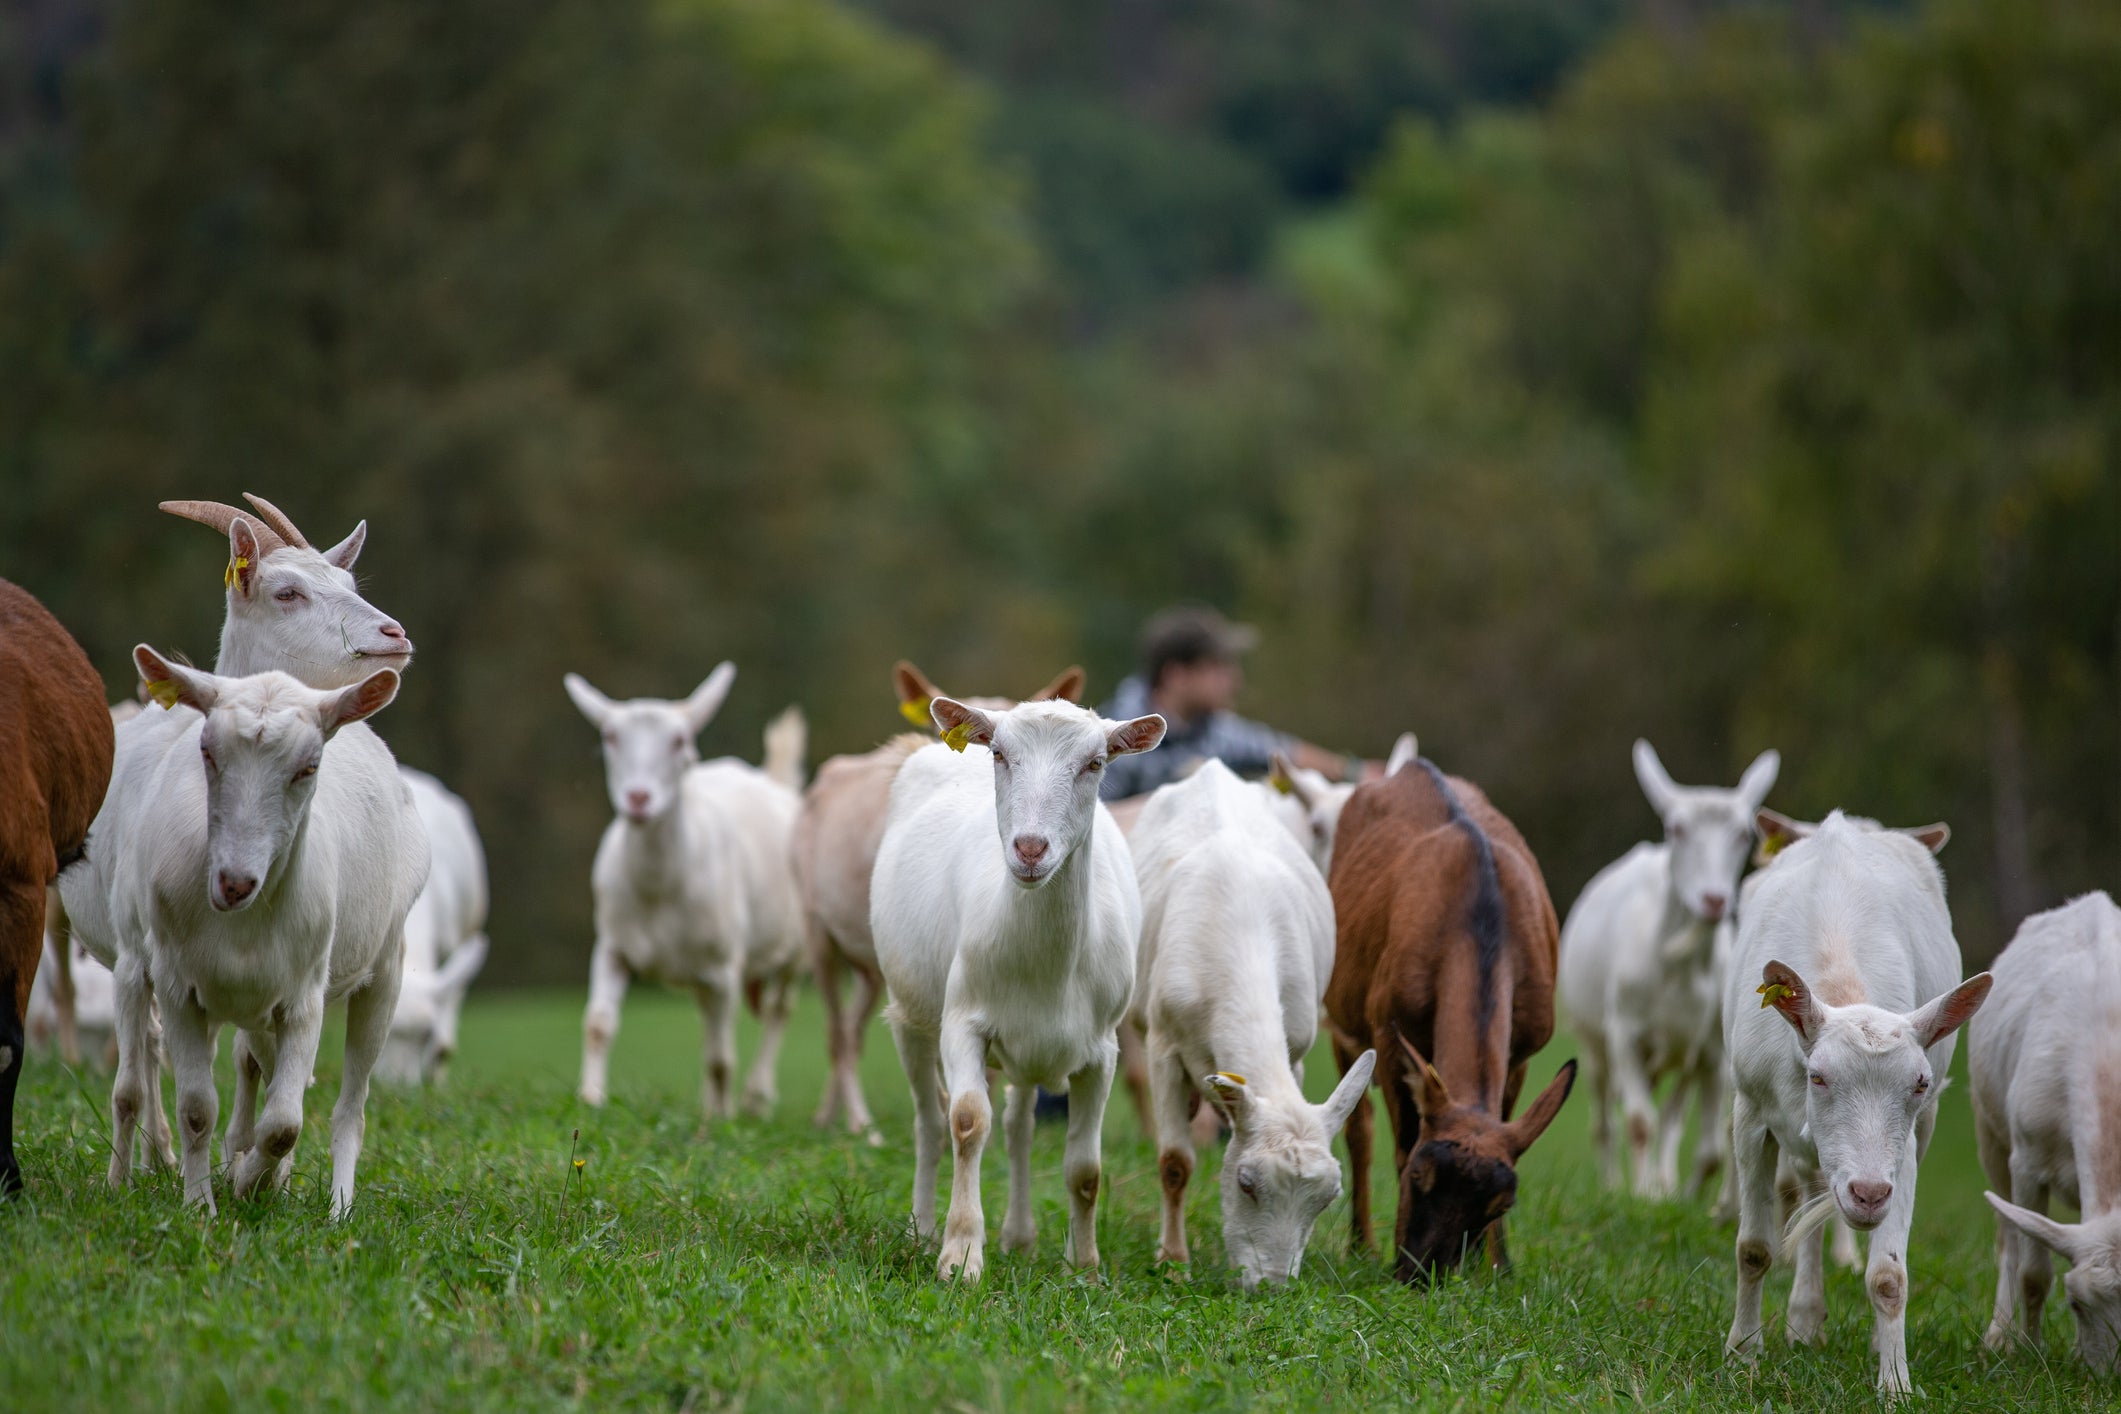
{"type": "Point", "coordinates": [2063, 1239]}
{"type": "Point", "coordinates": [1141, 734]}
{"type": "Point", "coordinates": [1354, 1087]}
{"type": "Point", "coordinates": [1231, 1095]}
{"type": "Point", "coordinates": [1527, 1127]}
{"type": "Point", "coordinates": [1777, 833]}
{"type": "Point", "coordinates": [588, 701]}
{"type": "Point", "coordinates": [1068, 687]}
{"type": "Point", "coordinates": [911, 684]}
{"type": "Point", "coordinates": [961, 725]}
{"type": "Point", "coordinates": [1298, 782]}
{"type": "Point", "coordinates": [454, 976]}
{"type": "Point", "coordinates": [244, 557]}
{"type": "Point", "coordinates": [1781, 988]}
{"type": "Point", "coordinates": [1759, 778]}
{"type": "Point", "coordinates": [1656, 784]}
{"type": "Point", "coordinates": [348, 550]}
{"type": "Point", "coordinates": [1404, 753]}
{"type": "Point", "coordinates": [707, 698]}
{"type": "Point", "coordinates": [170, 683]}
{"type": "Point", "coordinates": [364, 699]}
{"type": "Point", "coordinates": [1951, 1011]}
{"type": "Point", "coordinates": [1431, 1096]}
{"type": "Point", "coordinates": [1931, 837]}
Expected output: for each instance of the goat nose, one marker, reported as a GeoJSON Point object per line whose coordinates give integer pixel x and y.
{"type": "Point", "coordinates": [1713, 905]}
{"type": "Point", "coordinates": [637, 801]}
{"type": "Point", "coordinates": [234, 888]}
{"type": "Point", "coordinates": [392, 629]}
{"type": "Point", "coordinates": [1870, 1196]}
{"type": "Point", "coordinates": [1030, 848]}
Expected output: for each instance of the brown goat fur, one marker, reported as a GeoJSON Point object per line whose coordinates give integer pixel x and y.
{"type": "Point", "coordinates": [55, 762]}
{"type": "Point", "coordinates": [1447, 950]}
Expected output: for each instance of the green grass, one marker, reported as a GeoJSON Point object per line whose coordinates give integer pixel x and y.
{"type": "Point", "coordinates": [763, 1265]}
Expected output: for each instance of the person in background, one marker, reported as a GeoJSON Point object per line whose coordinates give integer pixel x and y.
{"type": "Point", "coordinates": [1192, 669]}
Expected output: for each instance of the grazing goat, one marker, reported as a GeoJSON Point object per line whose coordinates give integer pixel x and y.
{"type": "Point", "coordinates": [1006, 918]}
{"type": "Point", "coordinates": [1236, 946]}
{"type": "Point", "coordinates": [693, 884]}
{"type": "Point", "coordinates": [834, 852]}
{"type": "Point", "coordinates": [2045, 1060]}
{"type": "Point", "coordinates": [1840, 1063]}
{"type": "Point", "coordinates": [1642, 960]}
{"type": "Point", "coordinates": [445, 939]}
{"type": "Point", "coordinates": [264, 860]}
{"type": "Point", "coordinates": [1311, 804]}
{"type": "Point", "coordinates": [1447, 946]}
{"type": "Point", "coordinates": [55, 764]}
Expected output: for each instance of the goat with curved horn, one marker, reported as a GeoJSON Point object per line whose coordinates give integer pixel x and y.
{"type": "Point", "coordinates": [220, 517]}
{"type": "Point", "coordinates": [273, 516]}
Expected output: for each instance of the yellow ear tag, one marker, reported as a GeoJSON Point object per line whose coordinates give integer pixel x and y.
{"type": "Point", "coordinates": [958, 737]}
{"type": "Point", "coordinates": [1282, 783]}
{"type": "Point", "coordinates": [228, 576]}
{"type": "Point", "coordinates": [164, 692]}
{"type": "Point", "coordinates": [1774, 994]}
{"type": "Point", "coordinates": [1232, 1076]}
{"type": "Point", "coordinates": [916, 712]}
{"type": "Point", "coordinates": [1772, 845]}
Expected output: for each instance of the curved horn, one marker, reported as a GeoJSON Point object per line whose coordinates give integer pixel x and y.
{"type": "Point", "coordinates": [273, 516]}
{"type": "Point", "coordinates": [221, 517]}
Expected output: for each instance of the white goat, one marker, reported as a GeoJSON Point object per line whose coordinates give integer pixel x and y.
{"type": "Point", "coordinates": [2045, 1061]}
{"type": "Point", "coordinates": [263, 862]}
{"type": "Point", "coordinates": [1006, 918]}
{"type": "Point", "coordinates": [1310, 805]}
{"type": "Point", "coordinates": [693, 884]}
{"type": "Point", "coordinates": [1643, 956]}
{"type": "Point", "coordinates": [1236, 946]}
{"type": "Point", "coordinates": [445, 939]}
{"type": "Point", "coordinates": [90, 1016]}
{"type": "Point", "coordinates": [1841, 1062]}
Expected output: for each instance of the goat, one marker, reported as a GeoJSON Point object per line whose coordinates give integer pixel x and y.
{"type": "Point", "coordinates": [1850, 939]}
{"type": "Point", "coordinates": [2044, 1057]}
{"type": "Point", "coordinates": [445, 939]}
{"type": "Point", "coordinates": [693, 884]}
{"type": "Point", "coordinates": [1236, 946]}
{"type": "Point", "coordinates": [1642, 959]}
{"type": "Point", "coordinates": [55, 765]}
{"type": "Point", "coordinates": [264, 859]}
{"type": "Point", "coordinates": [833, 850]}
{"type": "Point", "coordinates": [1446, 944]}
{"type": "Point", "coordinates": [1311, 804]}
{"type": "Point", "coordinates": [1021, 955]}
{"type": "Point", "coordinates": [91, 1001]}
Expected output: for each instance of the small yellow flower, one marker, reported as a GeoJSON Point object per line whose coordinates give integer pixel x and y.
{"type": "Point", "coordinates": [579, 1164]}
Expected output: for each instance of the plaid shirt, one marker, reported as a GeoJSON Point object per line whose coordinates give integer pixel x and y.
{"type": "Point", "coordinates": [1238, 743]}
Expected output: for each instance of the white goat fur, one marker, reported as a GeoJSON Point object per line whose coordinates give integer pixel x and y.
{"type": "Point", "coordinates": [693, 884]}
{"type": "Point", "coordinates": [1643, 957]}
{"type": "Point", "coordinates": [302, 799]}
{"type": "Point", "coordinates": [1840, 1014]}
{"type": "Point", "coordinates": [1237, 943]}
{"type": "Point", "coordinates": [445, 938]}
{"type": "Point", "coordinates": [2044, 1057]}
{"type": "Point", "coordinates": [1006, 917]}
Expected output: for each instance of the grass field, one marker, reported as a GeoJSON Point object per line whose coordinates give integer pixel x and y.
{"type": "Point", "coordinates": [765, 1266]}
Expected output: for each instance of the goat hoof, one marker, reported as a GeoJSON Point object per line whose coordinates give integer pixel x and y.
{"type": "Point", "coordinates": [962, 1261]}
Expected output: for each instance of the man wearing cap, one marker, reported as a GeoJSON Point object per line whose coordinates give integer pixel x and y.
{"type": "Point", "coordinates": [1192, 669]}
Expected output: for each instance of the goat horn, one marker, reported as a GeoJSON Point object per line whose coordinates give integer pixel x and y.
{"type": "Point", "coordinates": [273, 516]}
{"type": "Point", "coordinates": [220, 517]}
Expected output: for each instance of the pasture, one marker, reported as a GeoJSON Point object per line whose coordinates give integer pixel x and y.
{"type": "Point", "coordinates": [494, 1260]}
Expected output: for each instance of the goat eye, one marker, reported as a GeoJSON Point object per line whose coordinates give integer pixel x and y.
{"type": "Point", "coordinates": [999, 759]}
{"type": "Point", "coordinates": [1818, 1080]}
{"type": "Point", "coordinates": [1922, 1084]}
{"type": "Point", "coordinates": [305, 773]}
{"type": "Point", "coordinates": [206, 753]}
{"type": "Point", "coordinates": [1678, 832]}
{"type": "Point", "coordinates": [288, 595]}
{"type": "Point", "coordinates": [1092, 767]}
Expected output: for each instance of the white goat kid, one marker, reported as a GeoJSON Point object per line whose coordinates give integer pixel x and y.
{"type": "Point", "coordinates": [1237, 944]}
{"type": "Point", "coordinates": [267, 861]}
{"type": "Point", "coordinates": [693, 884]}
{"type": "Point", "coordinates": [1840, 1062]}
{"type": "Point", "coordinates": [445, 939]}
{"type": "Point", "coordinates": [1006, 918]}
{"type": "Point", "coordinates": [1643, 956]}
{"type": "Point", "coordinates": [2045, 1060]}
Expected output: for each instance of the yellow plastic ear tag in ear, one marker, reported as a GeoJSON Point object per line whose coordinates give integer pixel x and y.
{"type": "Point", "coordinates": [1282, 783]}
{"type": "Point", "coordinates": [164, 692]}
{"type": "Point", "coordinates": [1772, 845]}
{"type": "Point", "coordinates": [1774, 994]}
{"type": "Point", "coordinates": [228, 576]}
{"type": "Point", "coordinates": [1230, 1075]}
{"type": "Point", "coordinates": [916, 712]}
{"type": "Point", "coordinates": [958, 737]}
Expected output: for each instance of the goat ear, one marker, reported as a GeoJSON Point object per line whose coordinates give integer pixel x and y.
{"type": "Point", "coordinates": [244, 557]}
{"type": "Point", "coordinates": [911, 683]}
{"type": "Point", "coordinates": [364, 699]}
{"type": "Point", "coordinates": [1353, 1089]}
{"type": "Point", "coordinates": [707, 698]}
{"type": "Point", "coordinates": [1656, 783]}
{"type": "Point", "coordinates": [1141, 734]}
{"type": "Point", "coordinates": [455, 974]}
{"type": "Point", "coordinates": [1527, 1127]}
{"type": "Point", "coordinates": [343, 554]}
{"type": "Point", "coordinates": [1782, 989]}
{"type": "Point", "coordinates": [961, 725]}
{"type": "Point", "coordinates": [1431, 1096]}
{"type": "Point", "coordinates": [170, 683]}
{"type": "Point", "coordinates": [588, 701]}
{"type": "Point", "coordinates": [1931, 837]}
{"type": "Point", "coordinates": [2063, 1239]}
{"type": "Point", "coordinates": [1777, 833]}
{"type": "Point", "coordinates": [1405, 752]}
{"type": "Point", "coordinates": [1759, 778]}
{"type": "Point", "coordinates": [1301, 783]}
{"type": "Point", "coordinates": [1951, 1011]}
{"type": "Point", "coordinates": [1068, 687]}
{"type": "Point", "coordinates": [1231, 1095]}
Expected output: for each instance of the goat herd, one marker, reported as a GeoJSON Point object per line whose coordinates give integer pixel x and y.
{"type": "Point", "coordinates": [258, 854]}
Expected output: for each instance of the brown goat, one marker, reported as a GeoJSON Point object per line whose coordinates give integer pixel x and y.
{"type": "Point", "coordinates": [55, 762]}
{"type": "Point", "coordinates": [1447, 948]}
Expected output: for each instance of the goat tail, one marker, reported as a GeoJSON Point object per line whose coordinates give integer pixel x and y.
{"type": "Point", "coordinates": [787, 738]}
{"type": "Point", "coordinates": [1813, 1214]}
